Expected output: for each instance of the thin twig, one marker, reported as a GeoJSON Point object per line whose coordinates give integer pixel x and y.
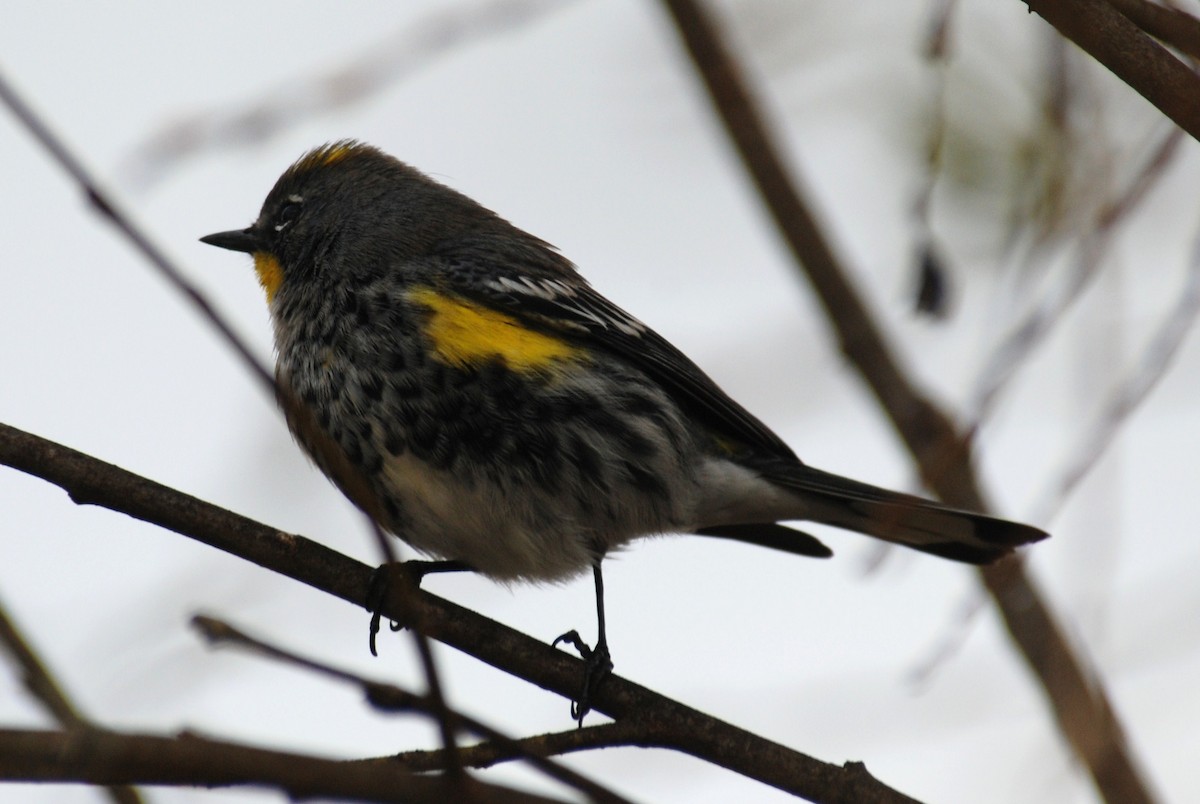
{"type": "Point", "coordinates": [664, 723]}
{"type": "Point", "coordinates": [1076, 693]}
{"type": "Point", "coordinates": [1020, 343]}
{"type": "Point", "coordinates": [373, 69]}
{"type": "Point", "coordinates": [391, 698]}
{"type": "Point", "coordinates": [933, 292]}
{"type": "Point", "coordinates": [405, 590]}
{"type": "Point", "coordinates": [45, 689]}
{"type": "Point", "coordinates": [1129, 393]}
{"type": "Point", "coordinates": [108, 208]}
{"type": "Point", "coordinates": [485, 755]}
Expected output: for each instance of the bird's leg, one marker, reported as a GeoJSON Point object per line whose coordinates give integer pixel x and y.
{"type": "Point", "coordinates": [381, 581]}
{"type": "Point", "coordinates": [597, 661]}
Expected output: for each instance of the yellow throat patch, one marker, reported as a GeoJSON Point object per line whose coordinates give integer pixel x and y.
{"type": "Point", "coordinates": [464, 333]}
{"type": "Point", "coordinates": [270, 275]}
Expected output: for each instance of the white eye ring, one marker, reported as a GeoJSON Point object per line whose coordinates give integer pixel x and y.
{"type": "Point", "coordinates": [288, 212]}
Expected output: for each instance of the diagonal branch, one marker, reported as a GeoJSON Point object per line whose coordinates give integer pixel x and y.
{"type": "Point", "coordinates": [1112, 39]}
{"type": "Point", "coordinates": [392, 699]}
{"type": "Point", "coordinates": [1173, 26]}
{"type": "Point", "coordinates": [663, 723]}
{"type": "Point", "coordinates": [107, 207]}
{"type": "Point", "coordinates": [1081, 706]}
{"type": "Point", "coordinates": [485, 755]}
{"type": "Point", "coordinates": [329, 91]}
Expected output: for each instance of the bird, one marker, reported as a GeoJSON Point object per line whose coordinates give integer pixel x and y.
{"type": "Point", "coordinates": [463, 384]}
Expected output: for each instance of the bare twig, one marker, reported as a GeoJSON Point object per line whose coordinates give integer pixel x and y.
{"type": "Point", "coordinates": [933, 293]}
{"type": "Point", "coordinates": [98, 756]}
{"type": "Point", "coordinates": [1111, 39]}
{"type": "Point", "coordinates": [1129, 393]}
{"type": "Point", "coordinates": [390, 698]}
{"type": "Point", "coordinates": [1076, 694]}
{"type": "Point", "coordinates": [330, 91]}
{"type": "Point", "coordinates": [1017, 346]}
{"type": "Point", "coordinates": [43, 687]}
{"type": "Point", "coordinates": [401, 586]}
{"type": "Point", "coordinates": [485, 755]}
{"type": "Point", "coordinates": [108, 208]}
{"type": "Point", "coordinates": [663, 722]}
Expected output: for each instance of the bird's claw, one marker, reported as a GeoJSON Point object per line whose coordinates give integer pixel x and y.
{"type": "Point", "coordinates": [377, 592]}
{"type": "Point", "coordinates": [597, 666]}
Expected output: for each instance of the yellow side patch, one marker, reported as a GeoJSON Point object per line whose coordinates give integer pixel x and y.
{"type": "Point", "coordinates": [270, 275]}
{"type": "Point", "coordinates": [464, 333]}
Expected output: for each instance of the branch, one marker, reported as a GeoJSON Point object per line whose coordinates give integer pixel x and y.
{"type": "Point", "coordinates": [1177, 28]}
{"type": "Point", "coordinates": [108, 208]}
{"type": "Point", "coordinates": [298, 99]}
{"type": "Point", "coordinates": [1112, 39]}
{"type": "Point", "coordinates": [392, 699]}
{"type": "Point", "coordinates": [98, 756]}
{"type": "Point", "coordinates": [1130, 392]}
{"type": "Point", "coordinates": [1085, 716]}
{"type": "Point", "coordinates": [485, 755]}
{"type": "Point", "coordinates": [42, 686]}
{"type": "Point", "coordinates": [663, 723]}
{"type": "Point", "coordinates": [1019, 344]}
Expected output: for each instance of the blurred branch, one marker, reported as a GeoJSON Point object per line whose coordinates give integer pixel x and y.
{"type": "Point", "coordinates": [1130, 392]}
{"type": "Point", "coordinates": [107, 207]}
{"type": "Point", "coordinates": [437, 706]}
{"type": "Point", "coordinates": [1176, 28]}
{"type": "Point", "coordinates": [661, 722]}
{"type": "Point", "coordinates": [1076, 694]}
{"type": "Point", "coordinates": [1112, 39]}
{"type": "Point", "coordinates": [932, 297]}
{"type": "Point", "coordinates": [391, 698]}
{"type": "Point", "coordinates": [299, 98]}
{"type": "Point", "coordinates": [43, 687]}
{"type": "Point", "coordinates": [98, 756]}
{"type": "Point", "coordinates": [1004, 360]}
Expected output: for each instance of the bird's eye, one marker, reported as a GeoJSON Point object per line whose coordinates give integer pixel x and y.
{"type": "Point", "coordinates": [287, 213]}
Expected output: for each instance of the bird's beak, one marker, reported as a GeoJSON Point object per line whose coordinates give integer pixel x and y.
{"type": "Point", "coordinates": [244, 240]}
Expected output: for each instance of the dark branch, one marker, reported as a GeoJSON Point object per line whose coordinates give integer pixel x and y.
{"type": "Point", "coordinates": [1112, 39]}
{"type": "Point", "coordinates": [1173, 26]}
{"type": "Point", "coordinates": [1076, 694]}
{"type": "Point", "coordinates": [96, 756]}
{"type": "Point", "coordinates": [663, 722]}
{"type": "Point", "coordinates": [392, 699]}
{"type": "Point", "coordinates": [485, 755]}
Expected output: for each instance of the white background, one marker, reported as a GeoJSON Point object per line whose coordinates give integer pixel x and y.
{"type": "Point", "coordinates": [586, 127]}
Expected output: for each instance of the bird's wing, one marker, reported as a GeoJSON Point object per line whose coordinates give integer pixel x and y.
{"type": "Point", "coordinates": [562, 303]}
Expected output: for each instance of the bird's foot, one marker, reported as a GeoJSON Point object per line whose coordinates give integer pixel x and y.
{"type": "Point", "coordinates": [597, 666]}
{"type": "Point", "coordinates": [381, 583]}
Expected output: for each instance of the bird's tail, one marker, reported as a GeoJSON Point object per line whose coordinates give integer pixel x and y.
{"type": "Point", "coordinates": [902, 518]}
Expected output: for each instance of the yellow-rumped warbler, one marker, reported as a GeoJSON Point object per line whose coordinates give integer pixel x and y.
{"type": "Point", "coordinates": [468, 389]}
